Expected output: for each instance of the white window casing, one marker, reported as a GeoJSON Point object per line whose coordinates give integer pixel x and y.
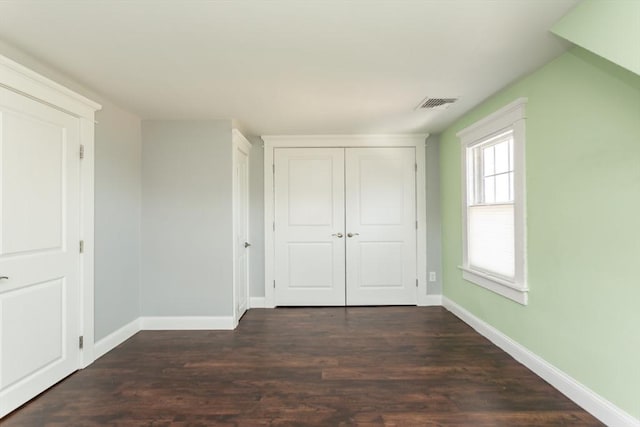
{"type": "Point", "coordinates": [493, 202]}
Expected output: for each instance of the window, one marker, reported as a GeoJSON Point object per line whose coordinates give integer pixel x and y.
{"type": "Point", "coordinates": [493, 208]}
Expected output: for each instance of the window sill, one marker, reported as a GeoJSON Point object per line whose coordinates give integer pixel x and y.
{"type": "Point", "coordinates": [497, 285]}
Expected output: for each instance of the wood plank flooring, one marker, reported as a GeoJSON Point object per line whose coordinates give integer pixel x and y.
{"type": "Point", "coordinates": [366, 366]}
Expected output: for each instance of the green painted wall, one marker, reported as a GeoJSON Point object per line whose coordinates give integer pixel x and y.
{"type": "Point", "coordinates": [583, 208]}
{"type": "Point", "coordinates": [609, 28]}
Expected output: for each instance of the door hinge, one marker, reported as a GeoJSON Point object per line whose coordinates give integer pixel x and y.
{"type": "Point", "coordinates": [81, 151]}
{"type": "Point", "coordinates": [81, 246]}
{"type": "Point", "coordinates": [81, 342]}
{"type": "Point", "coordinates": [274, 226]}
{"type": "Point", "coordinates": [416, 225]}
{"type": "Point", "coordinates": [274, 283]}
{"type": "Point", "coordinates": [273, 167]}
{"type": "Point", "coordinates": [416, 283]}
{"type": "Point", "coordinates": [415, 165]}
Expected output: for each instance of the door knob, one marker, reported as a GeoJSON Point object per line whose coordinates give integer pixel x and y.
{"type": "Point", "coordinates": [247, 244]}
{"type": "Point", "coordinates": [353, 234]}
{"type": "Point", "coordinates": [338, 235]}
{"type": "Point", "coordinates": [4, 278]}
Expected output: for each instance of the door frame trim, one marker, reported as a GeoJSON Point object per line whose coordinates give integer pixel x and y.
{"type": "Point", "coordinates": [271, 142]}
{"type": "Point", "coordinates": [239, 143]}
{"type": "Point", "coordinates": [20, 79]}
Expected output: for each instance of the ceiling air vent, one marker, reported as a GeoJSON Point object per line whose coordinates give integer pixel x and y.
{"type": "Point", "coordinates": [435, 103]}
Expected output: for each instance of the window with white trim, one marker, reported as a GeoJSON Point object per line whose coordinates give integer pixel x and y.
{"type": "Point", "coordinates": [493, 202]}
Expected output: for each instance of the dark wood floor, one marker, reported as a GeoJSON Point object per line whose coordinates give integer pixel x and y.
{"type": "Point", "coordinates": [392, 366]}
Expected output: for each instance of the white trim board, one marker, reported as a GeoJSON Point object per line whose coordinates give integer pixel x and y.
{"type": "Point", "coordinates": [592, 402]}
{"type": "Point", "coordinates": [87, 234]}
{"type": "Point", "coordinates": [21, 79]}
{"type": "Point", "coordinates": [116, 338]}
{"type": "Point", "coordinates": [279, 141]}
{"type": "Point", "coordinates": [191, 323]}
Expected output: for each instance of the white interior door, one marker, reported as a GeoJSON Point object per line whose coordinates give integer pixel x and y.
{"type": "Point", "coordinates": [381, 226]}
{"type": "Point", "coordinates": [241, 200]}
{"type": "Point", "coordinates": [309, 226]}
{"type": "Point", "coordinates": [39, 248]}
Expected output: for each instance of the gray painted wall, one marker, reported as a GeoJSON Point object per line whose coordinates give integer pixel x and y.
{"type": "Point", "coordinates": [117, 202]}
{"type": "Point", "coordinates": [117, 220]}
{"type": "Point", "coordinates": [434, 223]}
{"type": "Point", "coordinates": [186, 218]}
{"type": "Point", "coordinates": [256, 217]}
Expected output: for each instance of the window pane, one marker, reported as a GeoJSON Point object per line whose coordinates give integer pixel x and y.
{"type": "Point", "coordinates": [487, 157]}
{"type": "Point", "coordinates": [502, 188]}
{"type": "Point", "coordinates": [502, 157]}
{"type": "Point", "coordinates": [489, 190]}
{"type": "Point", "coordinates": [491, 239]}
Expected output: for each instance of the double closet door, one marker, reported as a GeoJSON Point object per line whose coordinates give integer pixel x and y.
{"type": "Point", "coordinates": [345, 226]}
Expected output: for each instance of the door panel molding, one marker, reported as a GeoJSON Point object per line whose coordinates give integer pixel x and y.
{"type": "Point", "coordinates": [416, 141]}
{"type": "Point", "coordinates": [309, 226]}
{"type": "Point", "coordinates": [381, 216]}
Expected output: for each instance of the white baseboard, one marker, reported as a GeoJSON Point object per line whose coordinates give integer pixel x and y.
{"type": "Point", "coordinates": [115, 338]}
{"type": "Point", "coordinates": [423, 301]}
{"type": "Point", "coordinates": [256, 302]}
{"type": "Point", "coordinates": [592, 402]}
{"type": "Point", "coordinates": [430, 300]}
{"type": "Point", "coordinates": [187, 323]}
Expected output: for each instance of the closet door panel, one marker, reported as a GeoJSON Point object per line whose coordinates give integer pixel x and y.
{"type": "Point", "coordinates": [39, 256]}
{"type": "Point", "coordinates": [309, 226]}
{"type": "Point", "coordinates": [380, 226]}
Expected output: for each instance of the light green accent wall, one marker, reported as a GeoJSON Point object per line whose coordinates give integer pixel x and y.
{"type": "Point", "coordinates": [609, 28]}
{"type": "Point", "coordinates": [583, 224]}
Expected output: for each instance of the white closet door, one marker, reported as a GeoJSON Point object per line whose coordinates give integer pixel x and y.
{"type": "Point", "coordinates": [241, 212]}
{"type": "Point", "coordinates": [381, 218]}
{"type": "Point", "coordinates": [39, 248]}
{"type": "Point", "coordinates": [309, 226]}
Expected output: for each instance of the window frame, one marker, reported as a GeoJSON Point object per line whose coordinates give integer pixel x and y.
{"type": "Point", "coordinates": [509, 118]}
{"type": "Point", "coordinates": [477, 163]}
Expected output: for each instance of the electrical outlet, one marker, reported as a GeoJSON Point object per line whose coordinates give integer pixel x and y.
{"type": "Point", "coordinates": [432, 276]}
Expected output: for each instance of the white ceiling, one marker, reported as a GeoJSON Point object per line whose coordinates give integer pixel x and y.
{"type": "Point", "coordinates": [290, 66]}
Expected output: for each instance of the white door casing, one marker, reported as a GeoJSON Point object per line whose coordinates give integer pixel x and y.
{"type": "Point", "coordinates": [274, 143]}
{"type": "Point", "coordinates": [46, 207]}
{"type": "Point", "coordinates": [39, 247]}
{"type": "Point", "coordinates": [381, 226]}
{"type": "Point", "coordinates": [309, 224]}
{"type": "Point", "coordinates": [242, 246]}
